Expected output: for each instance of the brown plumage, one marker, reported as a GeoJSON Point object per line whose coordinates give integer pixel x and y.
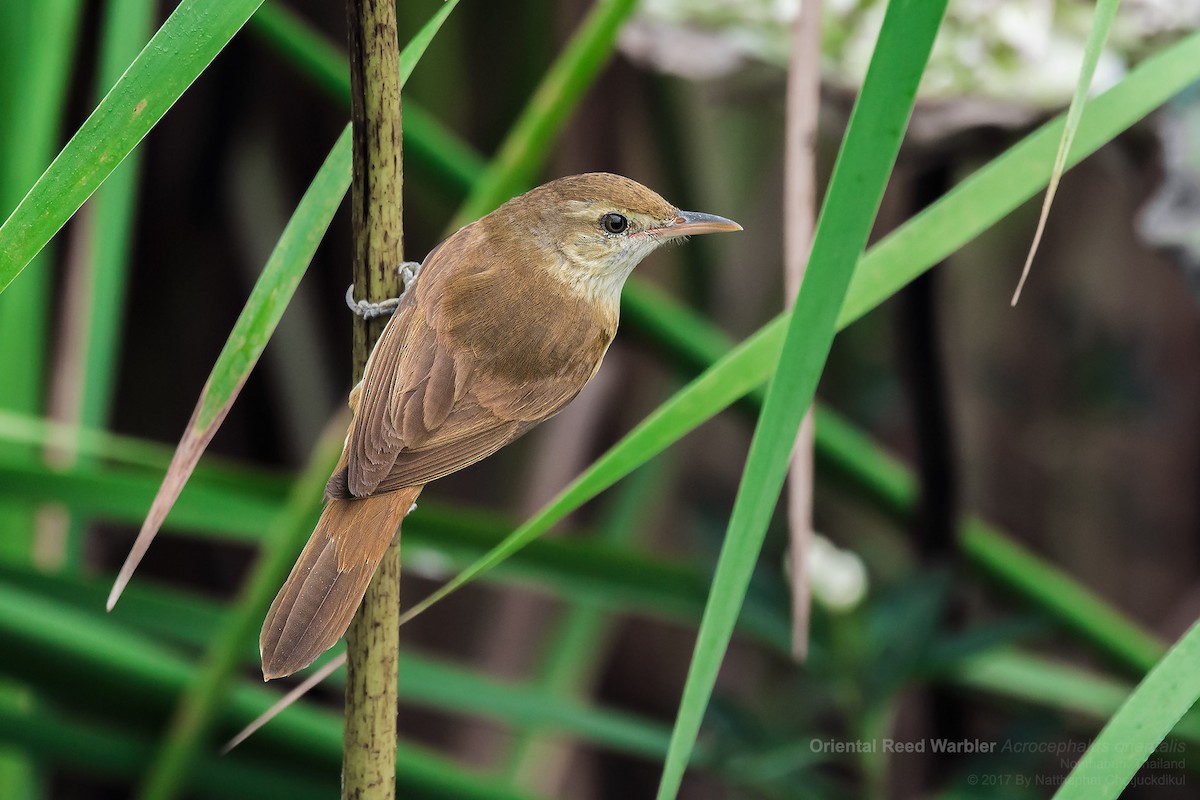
{"type": "Point", "coordinates": [509, 319]}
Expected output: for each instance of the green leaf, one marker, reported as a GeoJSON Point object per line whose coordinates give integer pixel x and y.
{"type": "Point", "coordinates": [123, 495]}
{"type": "Point", "coordinates": [128, 451]}
{"type": "Point", "coordinates": [1102, 21]}
{"type": "Point", "coordinates": [178, 618]}
{"type": "Point", "coordinates": [869, 150]}
{"type": "Point", "coordinates": [1133, 733]}
{"type": "Point", "coordinates": [186, 43]}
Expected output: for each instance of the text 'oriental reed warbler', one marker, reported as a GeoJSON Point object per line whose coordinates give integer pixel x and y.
{"type": "Point", "coordinates": [506, 322]}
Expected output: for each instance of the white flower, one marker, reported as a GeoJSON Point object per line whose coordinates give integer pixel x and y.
{"type": "Point", "coordinates": [838, 577]}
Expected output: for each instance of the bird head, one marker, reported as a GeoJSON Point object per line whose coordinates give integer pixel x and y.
{"type": "Point", "coordinates": [591, 230]}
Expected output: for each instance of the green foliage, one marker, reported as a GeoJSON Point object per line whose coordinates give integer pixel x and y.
{"type": "Point", "coordinates": [1139, 726]}
{"type": "Point", "coordinates": [859, 176]}
{"type": "Point", "coordinates": [186, 43]}
{"type": "Point", "coordinates": [96, 693]}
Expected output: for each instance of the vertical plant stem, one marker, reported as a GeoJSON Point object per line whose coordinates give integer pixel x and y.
{"type": "Point", "coordinates": [373, 639]}
{"type": "Point", "coordinates": [799, 209]}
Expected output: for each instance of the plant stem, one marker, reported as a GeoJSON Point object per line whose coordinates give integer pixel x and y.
{"type": "Point", "coordinates": [800, 213]}
{"type": "Point", "coordinates": [373, 640]}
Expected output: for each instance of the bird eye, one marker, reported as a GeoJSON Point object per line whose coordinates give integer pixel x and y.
{"type": "Point", "coordinates": [614, 223]}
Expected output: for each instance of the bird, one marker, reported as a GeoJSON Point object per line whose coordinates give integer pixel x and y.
{"type": "Point", "coordinates": [506, 321]}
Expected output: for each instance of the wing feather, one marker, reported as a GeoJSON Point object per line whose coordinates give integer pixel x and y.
{"type": "Point", "coordinates": [432, 402]}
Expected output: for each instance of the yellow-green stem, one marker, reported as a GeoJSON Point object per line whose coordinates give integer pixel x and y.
{"type": "Point", "coordinates": [369, 758]}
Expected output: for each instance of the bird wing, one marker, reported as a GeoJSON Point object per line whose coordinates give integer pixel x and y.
{"type": "Point", "coordinates": [428, 408]}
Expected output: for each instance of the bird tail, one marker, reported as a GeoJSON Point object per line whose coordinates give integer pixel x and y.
{"type": "Point", "coordinates": [320, 596]}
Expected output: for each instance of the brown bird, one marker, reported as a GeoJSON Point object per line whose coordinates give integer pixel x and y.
{"type": "Point", "coordinates": [507, 321]}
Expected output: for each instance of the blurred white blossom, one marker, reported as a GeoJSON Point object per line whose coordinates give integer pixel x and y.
{"type": "Point", "coordinates": [1022, 52]}
{"type": "Point", "coordinates": [838, 578]}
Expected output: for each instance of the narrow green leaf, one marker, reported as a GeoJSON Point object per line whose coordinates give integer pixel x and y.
{"type": "Point", "coordinates": [1132, 735]}
{"type": "Point", "coordinates": [186, 43]}
{"type": "Point", "coordinates": [267, 304]}
{"type": "Point", "coordinates": [128, 451]}
{"type": "Point", "coordinates": [1102, 21]}
{"type": "Point", "coordinates": [204, 506]}
{"type": "Point", "coordinates": [869, 150]}
{"type": "Point", "coordinates": [273, 290]}
{"type": "Point", "coordinates": [37, 87]}
{"type": "Point", "coordinates": [175, 617]}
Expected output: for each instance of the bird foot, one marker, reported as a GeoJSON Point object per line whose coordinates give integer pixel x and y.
{"type": "Point", "coordinates": [367, 310]}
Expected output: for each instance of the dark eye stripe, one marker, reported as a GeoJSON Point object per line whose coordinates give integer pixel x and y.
{"type": "Point", "coordinates": [614, 223]}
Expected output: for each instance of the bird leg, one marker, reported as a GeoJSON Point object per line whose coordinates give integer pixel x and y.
{"type": "Point", "coordinates": [367, 310]}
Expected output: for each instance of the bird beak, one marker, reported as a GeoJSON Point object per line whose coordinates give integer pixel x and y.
{"type": "Point", "coordinates": [688, 223]}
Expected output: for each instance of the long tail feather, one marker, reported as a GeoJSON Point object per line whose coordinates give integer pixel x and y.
{"type": "Point", "coordinates": [320, 596]}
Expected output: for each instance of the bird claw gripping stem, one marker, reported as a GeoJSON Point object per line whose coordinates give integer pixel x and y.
{"type": "Point", "coordinates": [367, 310]}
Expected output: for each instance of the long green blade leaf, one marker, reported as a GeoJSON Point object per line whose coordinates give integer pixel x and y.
{"type": "Point", "coordinates": [116, 753]}
{"type": "Point", "coordinates": [1131, 736]}
{"type": "Point", "coordinates": [268, 300]}
{"type": "Point", "coordinates": [167, 615]}
{"type": "Point", "coordinates": [1102, 20]}
{"type": "Point", "coordinates": [872, 141]}
{"type": "Point", "coordinates": [183, 47]}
